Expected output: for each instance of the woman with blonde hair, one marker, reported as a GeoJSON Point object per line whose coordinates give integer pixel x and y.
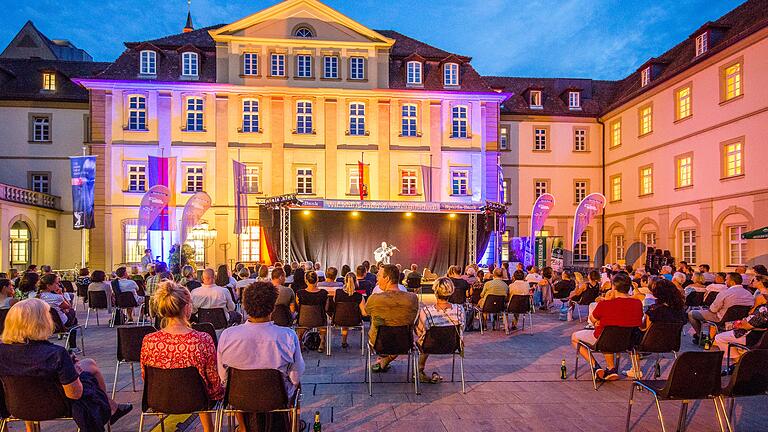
{"type": "Point", "coordinates": [349, 294]}
{"type": "Point", "coordinates": [177, 345]}
{"type": "Point", "coordinates": [25, 351]}
{"type": "Point", "coordinates": [442, 313]}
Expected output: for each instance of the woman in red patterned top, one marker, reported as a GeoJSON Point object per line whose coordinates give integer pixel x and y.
{"type": "Point", "coordinates": [178, 346]}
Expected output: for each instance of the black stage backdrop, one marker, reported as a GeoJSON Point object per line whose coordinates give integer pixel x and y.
{"type": "Point", "coordinates": [335, 238]}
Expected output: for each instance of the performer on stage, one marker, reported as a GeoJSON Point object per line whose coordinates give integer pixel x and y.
{"type": "Point", "coordinates": [383, 253]}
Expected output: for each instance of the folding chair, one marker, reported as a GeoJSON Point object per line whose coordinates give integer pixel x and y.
{"type": "Point", "coordinates": [173, 391]}
{"type": "Point", "coordinates": [347, 315]}
{"type": "Point", "coordinates": [613, 340]}
{"type": "Point", "coordinates": [444, 340]}
{"type": "Point", "coordinates": [750, 378]}
{"type": "Point", "coordinates": [523, 306]}
{"type": "Point", "coordinates": [218, 317]}
{"type": "Point", "coordinates": [733, 313]}
{"type": "Point", "coordinates": [494, 305]}
{"type": "Point", "coordinates": [97, 300]}
{"type": "Point", "coordinates": [259, 391]}
{"type": "Point", "coordinates": [660, 338]}
{"type": "Point", "coordinates": [393, 340]}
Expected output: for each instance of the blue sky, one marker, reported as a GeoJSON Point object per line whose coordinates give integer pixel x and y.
{"type": "Point", "coordinates": [601, 39]}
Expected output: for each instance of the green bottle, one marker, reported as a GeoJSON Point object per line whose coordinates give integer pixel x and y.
{"type": "Point", "coordinates": [707, 342]}
{"type": "Point", "coordinates": [563, 370]}
{"type": "Point", "coordinates": [317, 427]}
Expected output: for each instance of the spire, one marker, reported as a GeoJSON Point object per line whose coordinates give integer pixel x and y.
{"type": "Point", "coordinates": [188, 28]}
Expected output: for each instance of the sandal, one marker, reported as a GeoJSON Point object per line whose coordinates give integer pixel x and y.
{"type": "Point", "coordinates": [378, 368]}
{"type": "Point", "coordinates": [436, 378]}
{"type": "Point", "coordinates": [424, 379]}
{"type": "Point", "coordinates": [321, 349]}
{"type": "Point", "coordinates": [345, 345]}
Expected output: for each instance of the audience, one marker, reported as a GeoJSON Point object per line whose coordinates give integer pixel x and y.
{"type": "Point", "coordinates": [312, 296]}
{"type": "Point", "coordinates": [128, 285]}
{"type": "Point", "coordinates": [349, 294]}
{"type": "Point", "coordinates": [212, 296]}
{"type": "Point", "coordinates": [364, 286]}
{"type": "Point", "coordinates": [189, 278]}
{"type": "Point", "coordinates": [7, 298]}
{"type": "Point", "coordinates": [49, 291]}
{"type": "Point", "coordinates": [442, 313]}
{"type": "Point", "coordinates": [285, 295]}
{"type": "Point", "coordinates": [99, 283]}
{"type": "Point", "coordinates": [460, 286]}
{"type": "Point", "coordinates": [734, 295]}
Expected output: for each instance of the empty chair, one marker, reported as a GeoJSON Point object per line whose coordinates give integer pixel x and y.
{"type": "Point", "coordinates": [217, 317]}
{"type": "Point", "coordinates": [750, 378]}
{"type": "Point", "coordinates": [660, 338]}
{"type": "Point", "coordinates": [282, 316]}
{"type": "Point", "coordinates": [446, 340]}
{"type": "Point", "coordinates": [173, 391]}
{"type": "Point", "coordinates": [393, 340]}
{"type": "Point", "coordinates": [694, 376]}
{"type": "Point", "coordinates": [613, 340]}
{"type": "Point", "coordinates": [97, 300]}
{"type": "Point", "coordinates": [760, 344]}
{"type": "Point", "coordinates": [494, 305]}
{"type": "Point", "coordinates": [522, 306]}
{"type": "Point", "coordinates": [733, 313]}
{"type": "Point", "coordinates": [207, 328]}
{"type": "Point", "coordinates": [347, 315]}
{"type": "Point", "coordinates": [129, 339]}
{"type": "Point", "coordinates": [259, 391]}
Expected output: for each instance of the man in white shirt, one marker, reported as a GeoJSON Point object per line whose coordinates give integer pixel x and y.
{"type": "Point", "coordinates": [534, 275]}
{"type": "Point", "coordinates": [719, 284]}
{"type": "Point", "coordinates": [735, 295]}
{"type": "Point", "coordinates": [212, 296]}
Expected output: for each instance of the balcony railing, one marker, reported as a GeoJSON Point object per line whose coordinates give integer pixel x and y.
{"type": "Point", "coordinates": [25, 196]}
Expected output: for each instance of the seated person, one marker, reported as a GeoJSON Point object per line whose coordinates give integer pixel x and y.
{"type": "Point", "coordinates": [212, 296]}
{"type": "Point", "coordinates": [719, 284]}
{"type": "Point", "coordinates": [442, 313]}
{"type": "Point", "coordinates": [518, 287]}
{"type": "Point", "coordinates": [7, 294]}
{"type": "Point", "coordinates": [364, 286]}
{"type": "Point", "coordinates": [563, 288]}
{"type": "Point", "coordinates": [460, 286]}
{"type": "Point", "coordinates": [697, 284]}
{"type": "Point", "coordinates": [391, 307]}
{"type": "Point", "coordinates": [495, 286]}
{"type": "Point", "coordinates": [244, 280]}
{"type": "Point", "coordinates": [348, 294]}
{"type": "Point", "coordinates": [330, 284]}
{"type": "Point", "coordinates": [99, 283]}
{"type": "Point", "coordinates": [49, 290]}
{"type": "Point", "coordinates": [177, 345]}
{"type": "Point", "coordinates": [413, 279]}
{"type": "Point", "coordinates": [620, 310]}
{"type": "Point", "coordinates": [25, 351]}
{"type": "Point", "coordinates": [125, 284]}
{"type": "Point", "coordinates": [734, 295]}
{"type": "Point", "coordinates": [285, 295]}
{"type": "Point", "coordinates": [533, 275]}
{"type": "Point", "coordinates": [312, 296]}
{"type": "Point", "coordinates": [428, 275]}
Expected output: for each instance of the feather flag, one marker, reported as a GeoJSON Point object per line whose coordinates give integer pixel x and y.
{"type": "Point", "coordinates": [241, 197]}
{"type": "Point", "coordinates": [588, 208]}
{"type": "Point", "coordinates": [162, 171]}
{"type": "Point", "coordinates": [539, 214]}
{"type": "Point", "coordinates": [152, 204]}
{"type": "Point", "coordinates": [194, 210]}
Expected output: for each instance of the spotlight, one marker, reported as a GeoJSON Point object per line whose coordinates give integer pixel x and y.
{"type": "Point", "coordinates": [306, 212]}
{"type": "Point", "coordinates": [452, 215]}
{"type": "Point", "coordinates": [355, 214]}
{"type": "Point", "coordinates": [409, 214]}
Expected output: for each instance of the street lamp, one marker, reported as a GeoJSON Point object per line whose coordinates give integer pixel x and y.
{"type": "Point", "coordinates": [207, 236]}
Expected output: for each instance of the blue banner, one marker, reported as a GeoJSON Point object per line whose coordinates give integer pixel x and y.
{"type": "Point", "coordinates": [83, 170]}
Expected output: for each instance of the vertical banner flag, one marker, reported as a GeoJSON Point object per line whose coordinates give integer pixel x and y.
{"type": "Point", "coordinates": [196, 207]}
{"type": "Point", "coordinates": [162, 171]}
{"type": "Point", "coordinates": [83, 169]}
{"type": "Point", "coordinates": [426, 182]}
{"type": "Point", "coordinates": [539, 214]}
{"type": "Point", "coordinates": [540, 248]}
{"type": "Point", "coordinates": [589, 207]}
{"type": "Point", "coordinates": [152, 204]}
{"type": "Point", "coordinates": [557, 260]}
{"type": "Point", "coordinates": [362, 180]}
{"type": "Point", "coordinates": [241, 197]}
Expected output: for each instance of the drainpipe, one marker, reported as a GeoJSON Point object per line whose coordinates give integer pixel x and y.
{"type": "Point", "coordinates": [602, 169]}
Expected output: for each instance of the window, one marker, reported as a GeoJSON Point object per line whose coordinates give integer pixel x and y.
{"type": "Point", "coordinates": [40, 182]}
{"type": "Point", "coordinates": [650, 239]}
{"type": "Point", "coordinates": [41, 128]}
{"type": "Point", "coordinates": [618, 243]}
{"type": "Point", "coordinates": [580, 190]}
{"type": "Point", "coordinates": [250, 115]}
{"type": "Point", "coordinates": [737, 246]}
{"type": "Point", "coordinates": [540, 139]}
{"type": "Point", "coordinates": [505, 190]}
{"type": "Point", "coordinates": [304, 32]}
{"type": "Point", "coordinates": [645, 77]}
{"type": "Point", "coordinates": [250, 64]}
{"type": "Point", "coordinates": [733, 158]}
{"type": "Point", "coordinates": [504, 138]}
{"type": "Point", "coordinates": [451, 74]}
{"type": "Point", "coordinates": [189, 64]}
{"type": "Point", "coordinates": [702, 41]}
{"type": "Point", "coordinates": [731, 81]}
{"type": "Point", "coordinates": [645, 119]}
{"type": "Point", "coordinates": [616, 188]}
{"type": "Point", "coordinates": [20, 243]}
{"type": "Point", "coordinates": [615, 133]}
{"type": "Point", "coordinates": [413, 72]}
{"type": "Point", "coordinates": [49, 81]}
{"type": "Point", "coordinates": [304, 66]}
{"type": "Point", "coordinates": [148, 62]}
{"type": "Point", "coordinates": [193, 178]}
{"type": "Point", "coordinates": [684, 167]}
{"type": "Point", "coordinates": [579, 139]}
{"type": "Point", "coordinates": [136, 175]}
{"type": "Point", "coordinates": [535, 99]}
{"type": "Point", "coordinates": [646, 180]}
{"type": "Point", "coordinates": [409, 121]}
{"type": "Point", "coordinates": [574, 100]}
{"type": "Point", "coordinates": [460, 182]}
{"type": "Point", "coordinates": [357, 119]}
{"type": "Point", "coordinates": [252, 179]}
{"type": "Point", "coordinates": [194, 114]}
{"type": "Point", "coordinates": [137, 113]}
{"type": "Point", "coordinates": [540, 187]}
{"type": "Point", "coordinates": [134, 241]}
{"type": "Point", "coordinates": [353, 181]}
{"type": "Point", "coordinates": [688, 246]}
{"type": "Point", "coordinates": [250, 244]}
{"type": "Point", "coordinates": [331, 67]}
{"type": "Point", "coordinates": [277, 66]}
{"type": "Point", "coordinates": [304, 117]}
{"type": "Point", "coordinates": [304, 181]}
{"type": "Point", "coordinates": [581, 248]}
{"type": "Point", "coordinates": [408, 179]}
{"type": "Point", "coordinates": [459, 122]}
{"type": "Point", "coordinates": [357, 68]}
{"type": "Point", "coordinates": [683, 103]}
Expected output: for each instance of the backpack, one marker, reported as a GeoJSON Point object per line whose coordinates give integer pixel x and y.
{"type": "Point", "coordinates": [311, 340]}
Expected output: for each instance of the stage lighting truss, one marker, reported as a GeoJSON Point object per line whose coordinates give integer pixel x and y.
{"type": "Point", "coordinates": [281, 201]}
{"type": "Point", "coordinates": [494, 207]}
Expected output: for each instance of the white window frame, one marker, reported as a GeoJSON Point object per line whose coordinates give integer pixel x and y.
{"type": "Point", "coordinates": [253, 179]}
{"type": "Point", "coordinates": [683, 99]}
{"type": "Point", "coordinates": [615, 133]}
{"type": "Point", "coordinates": [619, 248]}
{"type": "Point", "coordinates": [460, 182]}
{"type": "Point", "coordinates": [148, 62]}
{"type": "Point", "coordinates": [194, 177]}
{"type": "Point", "coordinates": [20, 243]}
{"type": "Point", "coordinates": [277, 65]}
{"type": "Point", "coordinates": [646, 180]}
{"type": "Point", "coordinates": [134, 241]}
{"type": "Point", "coordinates": [616, 184]}
{"type": "Point", "coordinates": [581, 248]}
{"type": "Point", "coordinates": [250, 64]}
{"type": "Point", "coordinates": [303, 66]}
{"type": "Point", "coordinates": [645, 77]}
{"type": "Point", "coordinates": [409, 120]}
{"type": "Point", "coordinates": [137, 112]}
{"type": "Point", "coordinates": [504, 138]}
{"type": "Point", "coordinates": [304, 32]}
{"type": "Point", "coordinates": [40, 182]}
{"type": "Point", "coordinates": [702, 42]}
{"type": "Point", "coordinates": [540, 139]}
{"type": "Point", "coordinates": [737, 246]}
{"type": "Point", "coordinates": [649, 238]}
{"type": "Point", "coordinates": [41, 129]}
{"type": "Point", "coordinates": [353, 181]}
{"type": "Point", "coordinates": [357, 119]}
{"type": "Point", "coordinates": [580, 188]}
{"type": "Point", "coordinates": [305, 181]}
{"type": "Point", "coordinates": [409, 178]}
{"type": "Point", "coordinates": [250, 116]}
{"type": "Point", "coordinates": [194, 110]}
{"type": "Point", "coordinates": [413, 72]}
{"type": "Point", "coordinates": [535, 99]}
{"type": "Point", "coordinates": [733, 159]}
{"type": "Point", "coordinates": [459, 121]}
{"type": "Point", "coordinates": [684, 171]}
{"type": "Point", "coordinates": [646, 120]}
{"type": "Point", "coordinates": [250, 244]}
{"type": "Point", "coordinates": [190, 64]}
{"type": "Point", "coordinates": [331, 67]}
{"type": "Point", "coordinates": [304, 117]}
{"type": "Point", "coordinates": [451, 74]}
{"type": "Point", "coordinates": [733, 81]}
{"type": "Point", "coordinates": [49, 81]}
{"type": "Point", "coordinates": [688, 245]}
{"type": "Point", "coordinates": [540, 187]}
{"type": "Point", "coordinates": [574, 100]}
{"type": "Point", "coordinates": [580, 139]}
{"type": "Point", "coordinates": [135, 177]}
{"type": "Point", "coordinates": [357, 68]}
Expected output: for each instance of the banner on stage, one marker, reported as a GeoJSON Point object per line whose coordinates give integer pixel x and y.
{"type": "Point", "coordinates": [152, 204]}
{"type": "Point", "coordinates": [589, 207]}
{"type": "Point", "coordinates": [194, 210]}
{"type": "Point", "coordinates": [162, 171]}
{"type": "Point", "coordinates": [241, 196]}
{"type": "Point", "coordinates": [83, 171]}
{"type": "Point", "coordinates": [539, 214]}
{"type": "Point", "coordinates": [390, 206]}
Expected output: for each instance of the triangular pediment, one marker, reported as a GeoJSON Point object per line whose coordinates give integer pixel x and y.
{"type": "Point", "coordinates": [281, 21]}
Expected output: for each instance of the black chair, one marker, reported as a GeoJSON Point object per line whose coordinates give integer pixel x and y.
{"type": "Point", "coordinates": [217, 317]}
{"type": "Point", "coordinates": [347, 315]}
{"type": "Point", "coordinates": [709, 298]}
{"type": "Point", "coordinates": [393, 340]}
{"type": "Point", "coordinates": [259, 391]}
{"type": "Point", "coordinates": [281, 316]}
{"type": "Point", "coordinates": [446, 340]}
{"type": "Point", "coordinates": [750, 378]}
{"type": "Point", "coordinates": [81, 291]}
{"type": "Point", "coordinates": [494, 305]}
{"type": "Point", "coordinates": [587, 297]}
{"type": "Point", "coordinates": [475, 297]}
{"type": "Point", "coordinates": [3, 315]}
{"type": "Point", "coordinates": [69, 334]}
{"type": "Point", "coordinates": [660, 338]}
{"type": "Point", "coordinates": [313, 317]}
{"type": "Point", "coordinates": [695, 375]}
{"type": "Point", "coordinates": [613, 340]}
{"type": "Point", "coordinates": [97, 300]}
{"type": "Point", "coordinates": [757, 339]}
{"type": "Point", "coordinates": [695, 299]}
{"type": "Point", "coordinates": [733, 313]}
{"type": "Point", "coordinates": [129, 340]}
{"type": "Point", "coordinates": [207, 328]}
{"type": "Point", "coordinates": [521, 305]}
{"type": "Point", "coordinates": [35, 399]}
{"type": "Point", "coordinates": [173, 391]}
{"type": "Point", "coordinates": [123, 301]}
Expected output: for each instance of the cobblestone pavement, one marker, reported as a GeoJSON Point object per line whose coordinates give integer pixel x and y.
{"type": "Point", "coordinates": [513, 384]}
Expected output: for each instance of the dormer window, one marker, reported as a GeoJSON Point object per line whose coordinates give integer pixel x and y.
{"type": "Point", "coordinates": [702, 43]}
{"type": "Point", "coordinates": [49, 81]}
{"type": "Point", "coordinates": [645, 77]}
{"type": "Point", "coordinates": [535, 99]}
{"type": "Point", "coordinates": [451, 74]}
{"type": "Point", "coordinates": [574, 100]}
{"type": "Point", "coordinates": [414, 72]}
{"type": "Point", "coordinates": [304, 32]}
{"type": "Point", "coordinates": [189, 64]}
{"type": "Point", "coordinates": [148, 62]}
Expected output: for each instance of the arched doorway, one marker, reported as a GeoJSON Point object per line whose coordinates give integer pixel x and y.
{"type": "Point", "coordinates": [21, 245]}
